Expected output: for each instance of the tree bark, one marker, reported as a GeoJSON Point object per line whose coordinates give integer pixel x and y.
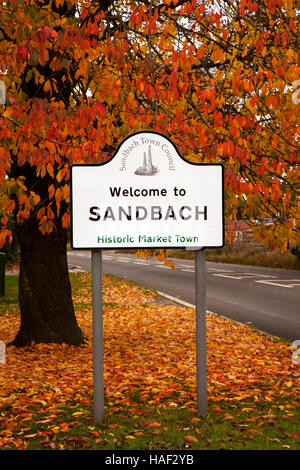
{"type": "Point", "coordinates": [45, 296]}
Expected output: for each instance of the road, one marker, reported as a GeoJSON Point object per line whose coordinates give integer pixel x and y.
{"type": "Point", "coordinates": [266, 298]}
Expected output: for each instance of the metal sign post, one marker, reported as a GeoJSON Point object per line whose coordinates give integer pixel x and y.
{"type": "Point", "coordinates": [147, 196]}
{"type": "Point", "coordinates": [97, 310]}
{"type": "Point", "coordinates": [201, 369]}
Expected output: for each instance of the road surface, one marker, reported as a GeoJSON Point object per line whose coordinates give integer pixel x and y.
{"type": "Point", "coordinates": [266, 298]}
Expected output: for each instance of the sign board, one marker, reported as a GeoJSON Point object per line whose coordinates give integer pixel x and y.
{"type": "Point", "coordinates": [147, 195]}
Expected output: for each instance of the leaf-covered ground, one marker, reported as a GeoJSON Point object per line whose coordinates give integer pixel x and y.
{"type": "Point", "coordinates": [149, 370]}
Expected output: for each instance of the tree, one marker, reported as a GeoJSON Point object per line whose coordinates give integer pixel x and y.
{"type": "Point", "coordinates": [217, 77]}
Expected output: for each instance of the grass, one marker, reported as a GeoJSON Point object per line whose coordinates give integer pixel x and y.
{"type": "Point", "coordinates": [168, 429]}
{"type": "Point", "coordinates": [266, 421]}
{"type": "Point", "coordinates": [10, 301]}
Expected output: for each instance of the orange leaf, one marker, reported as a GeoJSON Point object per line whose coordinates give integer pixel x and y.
{"type": "Point", "coordinates": [259, 46]}
{"type": "Point", "coordinates": [217, 55]}
{"type": "Point", "coordinates": [154, 425]}
{"type": "Point", "coordinates": [190, 439]}
{"type": "Point", "coordinates": [51, 191]}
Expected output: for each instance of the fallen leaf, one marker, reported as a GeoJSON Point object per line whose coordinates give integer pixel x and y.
{"type": "Point", "coordinates": [190, 439]}
{"type": "Point", "coordinates": [154, 425]}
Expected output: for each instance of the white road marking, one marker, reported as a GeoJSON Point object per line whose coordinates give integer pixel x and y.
{"type": "Point", "coordinates": [82, 255]}
{"type": "Point", "coordinates": [243, 275]}
{"type": "Point", "coordinates": [292, 283]}
{"type": "Point", "coordinates": [220, 270]}
{"type": "Point", "coordinates": [182, 266]}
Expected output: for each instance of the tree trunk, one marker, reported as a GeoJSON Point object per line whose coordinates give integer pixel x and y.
{"type": "Point", "coordinates": [45, 297]}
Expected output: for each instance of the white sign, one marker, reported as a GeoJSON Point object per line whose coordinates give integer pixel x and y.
{"type": "Point", "coordinates": [147, 195]}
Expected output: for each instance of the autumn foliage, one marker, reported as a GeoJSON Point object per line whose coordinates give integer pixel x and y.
{"type": "Point", "coordinates": [216, 77]}
{"type": "Point", "coordinates": [149, 363]}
